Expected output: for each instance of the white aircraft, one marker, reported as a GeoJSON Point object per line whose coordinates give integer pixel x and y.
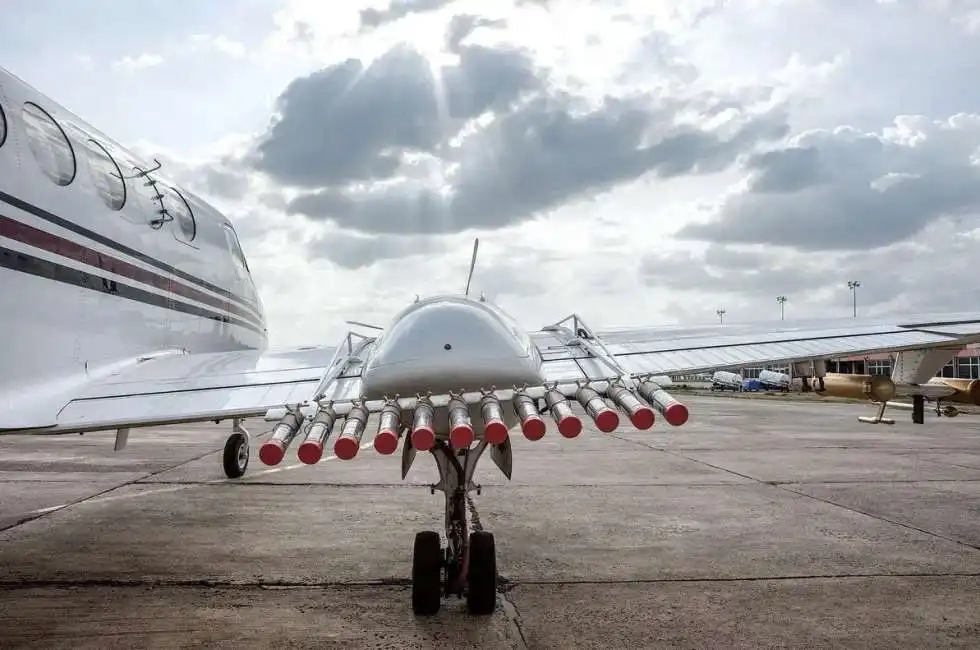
{"type": "Point", "coordinates": [127, 302]}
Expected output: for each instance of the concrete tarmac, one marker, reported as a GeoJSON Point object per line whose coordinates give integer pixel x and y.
{"type": "Point", "coordinates": [754, 525]}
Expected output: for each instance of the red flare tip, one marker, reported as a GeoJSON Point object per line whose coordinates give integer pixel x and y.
{"type": "Point", "coordinates": [461, 437]}
{"type": "Point", "coordinates": [495, 432]}
{"type": "Point", "coordinates": [345, 448]}
{"type": "Point", "coordinates": [310, 452]}
{"type": "Point", "coordinates": [643, 418]}
{"type": "Point", "coordinates": [607, 421]}
{"type": "Point", "coordinates": [570, 426]}
{"type": "Point", "coordinates": [676, 414]}
{"type": "Point", "coordinates": [423, 439]}
{"type": "Point", "coordinates": [386, 442]}
{"type": "Point", "coordinates": [271, 452]}
{"type": "Point", "coordinates": [533, 428]}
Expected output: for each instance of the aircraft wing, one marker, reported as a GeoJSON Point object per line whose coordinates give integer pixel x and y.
{"type": "Point", "coordinates": [687, 350]}
{"type": "Point", "coordinates": [174, 388]}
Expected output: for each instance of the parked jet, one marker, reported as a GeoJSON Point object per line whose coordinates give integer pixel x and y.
{"type": "Point", "coordinates": [126, 301]}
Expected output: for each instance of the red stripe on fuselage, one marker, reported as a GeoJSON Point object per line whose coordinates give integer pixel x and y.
{"type": "Point", "coordinates": [51, 243]}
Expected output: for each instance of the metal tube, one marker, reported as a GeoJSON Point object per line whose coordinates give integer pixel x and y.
{"type": "Point", "coordinates": [349, 441]}
{"type": "Point", "coordinates": [673, 411]}
{"type": "Point", "coordinates": [272, 450]}
{"type": "Point", "coordinates": [494, 427]}
{"type": "Point", "coordinates": [605, 418]}
{"type": "Point", "coordinates": [423, 429]}
{"type": "Point", "coordinates": [389, 429]}
{"type": "Point", "coordinates": [320, 429]}
{"type": "Point", "coordinates": [532, 425]}
{"type": "Point", "coordinates": [461, 433]}
{"type": "Point", "coordinates": [569, 425]}
{"type": "Point", "coordinates": [639, 413]}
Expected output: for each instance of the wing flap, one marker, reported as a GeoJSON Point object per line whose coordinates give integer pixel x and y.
{"type": "Point", "coordinates": [183, 406]}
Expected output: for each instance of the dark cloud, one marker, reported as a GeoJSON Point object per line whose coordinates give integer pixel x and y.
{"type": "Point", "coordinates": [392, 148]}
{"type": "Point", "coordinates": [352, 251]}
{"type": "Point", "coordinates": [545, 154]}
{"type": "Point", "coordinates": [842, 189]}
{"type": "Point", "coordinates": [351, 123]}
{"type": "Point", "coordinates": [372, 18]}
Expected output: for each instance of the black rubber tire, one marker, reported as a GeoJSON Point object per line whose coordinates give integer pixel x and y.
{"type": "Point", "coordinates": [231, 460]}
{"type": "Point", "coordinates": [481, 596]}
{"type": "Point", "coordinates": [427, 574]}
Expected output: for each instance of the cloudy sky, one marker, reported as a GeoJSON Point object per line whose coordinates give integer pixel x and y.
{"type": "Point", "coordinates": [635, 161]}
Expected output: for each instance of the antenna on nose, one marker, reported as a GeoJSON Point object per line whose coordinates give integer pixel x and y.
{"type": "Point", "coordinates": [469, 278]}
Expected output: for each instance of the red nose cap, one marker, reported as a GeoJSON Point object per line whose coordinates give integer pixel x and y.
{"type": "Point", "coordinates": [643, 418]}
{"type": "Point", "coordinates": [271, 452]}
{"type": "Point", "coordinates": [533, 428]}
{"type": "Point", "coordinates": [310, 452]}
{"type": "Point", "coordinates": [676, 414]}
{"type": "Point", "coordinates": [423, 439]}
{"type": "Point", "coordinates": [461, 437]}
{"type": "Point", "coordinates": [345, 448]}
{"type": "Point", "coordinates": [607, 421]}
{"type": "Point", "coordinates": [386, 442]}
{"type": "Point", "coordinates": [570, 426]}
{"type": "Point", "coordinates": [495, 432]}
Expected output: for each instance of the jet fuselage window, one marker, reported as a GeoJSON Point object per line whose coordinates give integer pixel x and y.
{"type": "Point", "coordinates": [236, 248]}
{"type": "Point", "coordinates": [49, 144]}
{"type": "Point", "coordinates": [3, 127]}
{"type": "Point", "coordinates": [181, 210]}
{"type": "Point", "coordinates": [107, 176]}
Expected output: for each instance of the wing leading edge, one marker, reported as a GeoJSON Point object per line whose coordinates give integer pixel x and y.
{"type": "Point", "coordinates": [183, 388]}
{"type": "Point", "coordinates": [678, 350]}
{"type": "Point", "coordinates": [172, 389]}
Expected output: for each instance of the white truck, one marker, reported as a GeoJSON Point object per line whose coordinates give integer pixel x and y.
{"type": "Point", "coordinates": [723, 380]}
{"type": "Point", "coordinates": [771, 380]}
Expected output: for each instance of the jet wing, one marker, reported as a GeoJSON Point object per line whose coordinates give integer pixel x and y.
{"type": "Point", "coordinates": [174, 388]}
{"type": "Point", "coordinates": [687, 350]}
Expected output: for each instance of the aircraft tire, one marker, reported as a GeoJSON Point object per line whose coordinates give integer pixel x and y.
{"type": "Point", "coordinates": [234, 460]}
{"type": "Point", "coordinates": [481, 597]}
{"type": "Point", "coordinates": [427, 574]}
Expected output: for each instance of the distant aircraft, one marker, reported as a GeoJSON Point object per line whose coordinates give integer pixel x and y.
{"type": "Point", "coordinates": [126, 301]}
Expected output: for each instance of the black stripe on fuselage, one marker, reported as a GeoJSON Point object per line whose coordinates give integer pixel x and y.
{"type": "Point", "coordinates": [24, 263]}
{"type": "Point", "coordinates": [122, 248]}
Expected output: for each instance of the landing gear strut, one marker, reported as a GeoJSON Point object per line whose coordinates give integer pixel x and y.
{"type": "Point", "coordinates": [468, 565]}
{"type": "Point", "coordinates": [234, 460]}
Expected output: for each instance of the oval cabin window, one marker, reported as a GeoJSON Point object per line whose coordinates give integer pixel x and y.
{"type": "Point", "coordinates": [49, 144]}
{"type": "Point", "coordinates": [106, 175]}
{"type": "Point", "coordinates": [181, 211]}
{"type": "Point", "coordinates": [3, 127]}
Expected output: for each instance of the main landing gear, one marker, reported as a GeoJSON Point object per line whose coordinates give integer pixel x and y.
{"type": "Point", "coordinates": [468, 565]}
{"type": "Point", "coordinates": [234, 459]}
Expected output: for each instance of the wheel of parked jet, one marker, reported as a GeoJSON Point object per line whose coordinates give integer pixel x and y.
{"type": "Point", "coordinates": [481, 595]}
{"type": "Point", "coordinates": [427, 574]}
{"type": "Point", "coordinates": [235, 457]}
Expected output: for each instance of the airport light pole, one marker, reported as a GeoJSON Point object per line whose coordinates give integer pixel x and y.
{"type": "Point", "coordinates": [853, 286]}
{"type": "Point", "coordinates": [721, 316]}
{"type": "Point", "coordinates": [782, 306]}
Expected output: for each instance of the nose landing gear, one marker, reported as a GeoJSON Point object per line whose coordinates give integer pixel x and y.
{"type": "Point", "coordinates": [468, 565]}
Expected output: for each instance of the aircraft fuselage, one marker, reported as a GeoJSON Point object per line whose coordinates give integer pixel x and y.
{"type": "Point", "coordinates": [103, 257]}
{"type": "Point", "coordinates": [450, 343]}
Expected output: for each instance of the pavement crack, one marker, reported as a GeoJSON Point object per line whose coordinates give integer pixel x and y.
{"type": "Point", "coordinates": [882, 518]}
{"type": "Point", "coordinates": [505, 586]}
{"type": "Point", "coordinates": [44, 512]}
{"type": "Point", "coordinates": [784, 486]}
{"type": "Point", "coordinates": [513, 618]}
